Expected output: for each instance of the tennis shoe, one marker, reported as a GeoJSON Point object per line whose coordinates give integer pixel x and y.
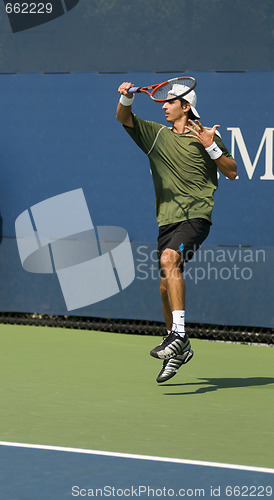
{"type": "Point", "coordinates": [172, 345]}
{"type": "Point", "coordinates": [172, 365]}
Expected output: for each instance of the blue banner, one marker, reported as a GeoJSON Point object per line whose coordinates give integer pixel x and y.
{"type": "Point", "coordinates": [78, 211]}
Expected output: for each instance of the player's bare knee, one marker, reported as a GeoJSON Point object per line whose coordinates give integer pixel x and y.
{"type": "Point", "coordinates": [170, 259]}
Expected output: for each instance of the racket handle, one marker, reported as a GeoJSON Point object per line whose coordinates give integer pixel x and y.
{"type": "Point", "coordinates": [133, 90]}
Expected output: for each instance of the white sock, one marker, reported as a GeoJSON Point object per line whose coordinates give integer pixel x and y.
{"type": "Point", "coordinates": [178, 325]}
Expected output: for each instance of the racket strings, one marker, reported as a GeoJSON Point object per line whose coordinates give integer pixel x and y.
{"type": "Point", "coordinates": [162, 92]}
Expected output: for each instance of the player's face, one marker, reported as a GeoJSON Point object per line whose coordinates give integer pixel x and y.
{"type": "Point", "coordinates": [173, 110]}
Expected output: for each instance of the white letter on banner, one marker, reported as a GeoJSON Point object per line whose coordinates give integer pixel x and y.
{"type": "Point", "coordinates": [267, 139]}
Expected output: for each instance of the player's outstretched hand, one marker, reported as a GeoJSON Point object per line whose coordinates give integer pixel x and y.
{"type": "Point", "coordinates": [205, 136]}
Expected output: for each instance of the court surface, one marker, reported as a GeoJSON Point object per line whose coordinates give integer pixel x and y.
{"type": "Point", "coordinates": [82, 410]}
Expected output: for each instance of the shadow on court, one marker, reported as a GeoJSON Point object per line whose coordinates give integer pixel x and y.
{"type": "Point", "coordinates": [214, 384]}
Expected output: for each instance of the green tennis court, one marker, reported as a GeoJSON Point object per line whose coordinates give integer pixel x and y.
{"type": "Point", "coordinates": [97, 390]}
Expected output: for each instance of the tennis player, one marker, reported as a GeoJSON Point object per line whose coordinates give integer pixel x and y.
{"type": "Point", "coordinates": [184, 160]}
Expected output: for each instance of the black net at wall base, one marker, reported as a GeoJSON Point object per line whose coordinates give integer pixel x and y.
{"type": "Point", "coordinates": [224, 333]}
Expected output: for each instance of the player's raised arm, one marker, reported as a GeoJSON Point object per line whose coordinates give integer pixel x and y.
{"type": "Point", "coordinates": [123, 113]}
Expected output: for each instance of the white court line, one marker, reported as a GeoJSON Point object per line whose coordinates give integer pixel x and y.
{"type": "Point", "coordinates": [137, 457]}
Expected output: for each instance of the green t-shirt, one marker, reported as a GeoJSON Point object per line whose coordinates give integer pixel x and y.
{"type": "Point", "coordinates": [184, 176]}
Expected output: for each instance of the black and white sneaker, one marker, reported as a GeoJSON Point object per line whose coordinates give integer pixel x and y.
{"type": "Point", "coordinates": [172, 345]}
{"type": "Point", "coordinates": [172, 365]}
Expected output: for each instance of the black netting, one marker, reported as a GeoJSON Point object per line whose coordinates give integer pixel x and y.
{"type": "Point", "coordinates": [245, 334]}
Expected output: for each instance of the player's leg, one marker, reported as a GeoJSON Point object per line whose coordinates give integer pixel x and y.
{"type": "Point", "coordinates": [176, 342]}
{"type": "Point", "coordinates": [187, 236]}
{"type": "Point", "coordinates": [167, 312]}
{"type": "Point", "coordinates": [170, 265]}
{"type": "Point", "coordinates": [170, 366]}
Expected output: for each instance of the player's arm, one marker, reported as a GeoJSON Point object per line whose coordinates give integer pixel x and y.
{"type": "Point", "coordinates": [123, 113]}
{"type": "Point", "coordinates": [227, 166]}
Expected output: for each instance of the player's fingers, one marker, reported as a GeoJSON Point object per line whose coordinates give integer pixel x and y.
{"type": "Point", "coordinates": [193, 124]}
{"type": "Point", "coordinates": [199, 125]}
{"type": "Point", "coordinates": [124, 87]}
{"type": "Point", "coordinates": [193, 133]}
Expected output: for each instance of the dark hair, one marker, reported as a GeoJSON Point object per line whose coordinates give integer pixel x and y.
{"type": "Point", "coordinates": [190, 114]}
{"type": "Point", "coordinates": [183, 101]}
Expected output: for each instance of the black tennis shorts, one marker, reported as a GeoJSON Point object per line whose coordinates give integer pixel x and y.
{"type": "Point", "coordinates": [184, 237]}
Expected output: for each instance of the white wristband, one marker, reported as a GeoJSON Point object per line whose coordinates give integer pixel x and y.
{"type": "Point", "coordinates": [214, 151]}
{"type": "Point", "coordinates": [126, 101]}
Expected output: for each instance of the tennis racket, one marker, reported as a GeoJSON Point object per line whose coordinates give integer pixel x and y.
{"type": "Point", "coordinates": [160, 91]}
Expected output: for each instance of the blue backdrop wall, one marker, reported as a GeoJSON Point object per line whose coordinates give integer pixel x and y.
{"type": "Point", "coordinates": [154, 35]}
{"type": "Point", "coordinates": [77, 201]}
